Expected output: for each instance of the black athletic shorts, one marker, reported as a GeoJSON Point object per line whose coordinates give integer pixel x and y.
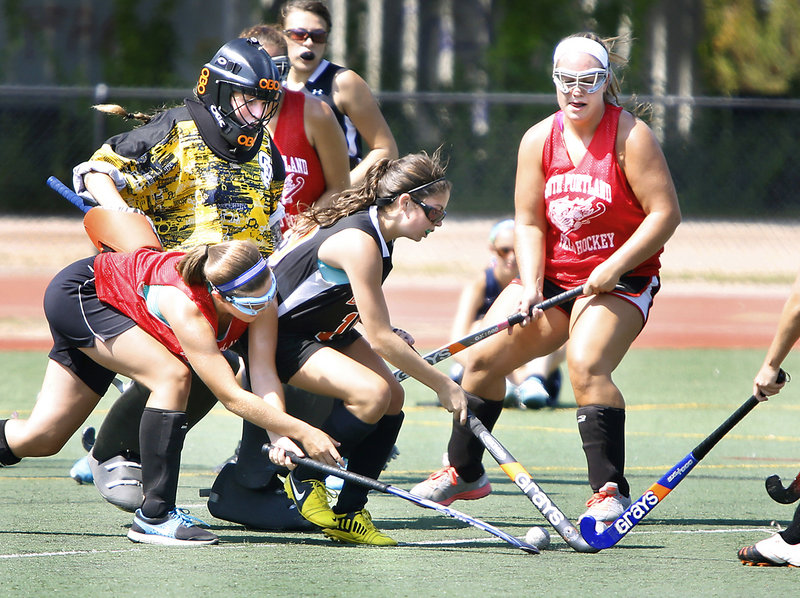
{"type": "Point", "coordinates": [77, 317]}
{"type": "Point", "coordinates": [639, 290]}
{"type": "Point", "coordinates": [293, 350]}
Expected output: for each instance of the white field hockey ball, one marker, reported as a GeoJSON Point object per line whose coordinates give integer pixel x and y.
{"type": "Point", "coordinates": [539, 537]}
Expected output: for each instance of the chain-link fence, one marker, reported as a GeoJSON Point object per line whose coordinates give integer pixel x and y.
{"type": "Point", "coordinates": [733, 161]}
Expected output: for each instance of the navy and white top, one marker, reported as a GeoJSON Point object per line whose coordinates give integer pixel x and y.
{"type": "Point", "coordinates": [315, 299]}
{"type": "Point", "coordinates": [320, 84]}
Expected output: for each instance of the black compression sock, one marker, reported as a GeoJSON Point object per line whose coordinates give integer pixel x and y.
{"type": "Point", "coordinates": [343, 426]}
{"type": "Point", "coordinates": [464, 451]}
{"type": "Point", "coordinates": [119, 433]}
{"type": "Point", "coordinates": [161, 438]}
{"type": "Point", "coordinates": [602, 430]}
{"type": "Point", "coordinates": [6, 456]}
{"type": "Point", "coordinates": [369, 458]}
{"type": "Point", "coordinates": [791, 535]}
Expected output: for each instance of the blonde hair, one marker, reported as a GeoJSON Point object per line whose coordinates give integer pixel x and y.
{"type": "Point", "coordinates": [221, 263]}
{"type": "Point", "coordinates": [385, 180]}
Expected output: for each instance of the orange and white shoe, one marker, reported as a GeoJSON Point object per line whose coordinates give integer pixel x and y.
{"type": "Point", "coordinates": [606, 505]}
{"type": "Point", "coordinates": [445, 485]}
{"type": "Point", "coordinates": [772, 552]}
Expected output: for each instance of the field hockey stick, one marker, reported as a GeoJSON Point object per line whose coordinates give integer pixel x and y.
{"type": "Point", "coordinates": [373, 484]}
{"type": "Point", "coordinates": [446, 351]}
{"type": "Point", "coordinates": [68, 194]}
{"type": "Point", "coordinates": [524, 481]}
{"type": "Point", "coordinates": [656, 493]}
{"type": "Point", "coordinates": [778, 493]}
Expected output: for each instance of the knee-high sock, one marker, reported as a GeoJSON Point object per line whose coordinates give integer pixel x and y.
{"type": "Point", "coordinates": [791, 535]}
{"type": "Point", "coordinates": [464, 451]}
{"type": "Point", "coordinates": [253, 470]}
{"type": "Point", "coordinates": [343, 426]}
{"type": "Point", "coordinates": [119, 433]}
{"type": "Point", "coordinates": [161, 439]}
{"type": "Point", "coordinates": [6, 456]}
{"type": "Point", "coordinates": [369, 459]}
{"type": "Point", "coordinates": [602, 430]}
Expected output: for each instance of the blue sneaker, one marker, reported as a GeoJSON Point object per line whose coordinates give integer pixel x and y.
{"type": "Point", "coordinates": [81, 472]}
{"type": "Point", "coordinates": [178, 528]}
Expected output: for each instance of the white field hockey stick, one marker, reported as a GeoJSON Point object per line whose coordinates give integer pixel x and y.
{"type": "Point", "coordinates": [656, 493]}
{"type": "Point", "coordinates": [446, 351]}
{"type": "Point", "coordinates": [422, 502]}
{"type": "Point", "coordinates": [524, 481]}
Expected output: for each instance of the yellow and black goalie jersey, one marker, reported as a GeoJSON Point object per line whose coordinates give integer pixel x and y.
{"type": "Point", "coordinates": [193, 195]}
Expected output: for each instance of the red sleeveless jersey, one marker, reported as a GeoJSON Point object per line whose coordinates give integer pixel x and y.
{"type": "Point", "coordinates": [305, 181]}
{"type": "Point", "coordinates": [120, 278]}
{"type": "Point", "coordinates": [591, 209]}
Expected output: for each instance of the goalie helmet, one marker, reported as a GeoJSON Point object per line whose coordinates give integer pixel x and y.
{"type": "Point", "coordinates": [240, 65]}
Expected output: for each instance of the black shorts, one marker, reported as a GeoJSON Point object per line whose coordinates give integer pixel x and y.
{"type": "Point", "coordinates": [293, 350]}
{"type": "Point", "coordinates": [76, 318]}
{"type": "Point", "coordinates": [639, 290]}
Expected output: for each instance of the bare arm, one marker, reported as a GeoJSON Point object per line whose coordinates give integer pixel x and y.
{"type": "Point", "coordinates": [103, 189]}
{"type": "Point", "coordinates": [327, 138]}
{"type": "Point", "coordinates": [355, 252]}
{"type": "Point", "coordinates": [352, 97]}
{"type": "Point", "coordinates": [765, 383]}
{"type": "Point", "coordinates": [529, 214]}
{"type": "Point", "coordinates": [196, 337]}
{"type": "Point", "coordinates": [646, 169]}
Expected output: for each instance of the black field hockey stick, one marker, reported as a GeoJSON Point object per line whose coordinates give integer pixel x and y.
{"type": "Point", "coordinates": [778, 493]}
{"type": "Point", "coordinates": [373, 484]}
{"type": "Point", "coordinates": [68, 194]}
{"type": "Point", "coordinates": [658, 491]}
{"type": "Point", "coordinates": [524, 481]}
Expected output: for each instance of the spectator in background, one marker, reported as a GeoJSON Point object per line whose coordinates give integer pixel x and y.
{"type": "Point", "coordinates": [536, 383]}
{"type": "Point", "coordinates": [306, 25]}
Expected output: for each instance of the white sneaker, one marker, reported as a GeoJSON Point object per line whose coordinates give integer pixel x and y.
{"type": "Point", "coordinates": [772, 552]}
{"type": "Point", "coordinates": [445, 485]}
{"type": "Point", "coordinates": [532, 393]}
{"type": "Point", "coordinates": [606, 505]}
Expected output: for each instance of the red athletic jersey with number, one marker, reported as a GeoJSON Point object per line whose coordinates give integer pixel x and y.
{"type": "Point", "coordinates": [120, 279]}
{"type": "Point", "coordinates": [590, 207]}
{"type": "Point", "coordinates": [305, 180]}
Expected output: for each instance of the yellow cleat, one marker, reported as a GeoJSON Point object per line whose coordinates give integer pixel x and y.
{"type": "Point", "coordinates": [311, 498]}
{"type": "Point", "coordinates": [357, 528]}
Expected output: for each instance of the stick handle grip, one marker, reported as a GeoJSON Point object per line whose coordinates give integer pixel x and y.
{"type": "Point", "coordinates": [68, 194]}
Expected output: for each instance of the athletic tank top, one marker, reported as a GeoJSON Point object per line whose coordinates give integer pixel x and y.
{"type": "Point", "coordinates": [305, 181]}
{"type": "Point", "coordinates": [314, 299]}
{"type": "Point", "coordinates": [590, 207]}
{"type": "Point", "coordinates": [491, 292]}
{"type": "Point", "coordinates": [320, 84]}
{"type": "Point", "coordinates": [120, 278]}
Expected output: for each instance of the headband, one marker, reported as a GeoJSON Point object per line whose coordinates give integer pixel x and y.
{"type": "Point", "coordinates": [500, 226]}
{"type": "Point", "coordinates": [384, 201]}
{"type": "Point", "coordinates": [581, 44]}
{"type": "Point", "coordinates": [244, 277]}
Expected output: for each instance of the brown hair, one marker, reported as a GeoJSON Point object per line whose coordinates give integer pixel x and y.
{"type": "Point", "coordinates": [267, 35]}
{"type": "Point", "coordinates": [386, 179]}
{"type": "Point", "coordinates": [313, 6]}
{"type": "Point", "coordinates": [222, 263]}
{"type": "Point", "coordinates": [118, 110]}
{"type": "Point", "coordinates": [612, 92]}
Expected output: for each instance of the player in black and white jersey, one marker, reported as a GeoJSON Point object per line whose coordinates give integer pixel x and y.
{"type": "Point", "coordinates": [330, 271]}
{"type": "Point", "coordinates": [306, 25]}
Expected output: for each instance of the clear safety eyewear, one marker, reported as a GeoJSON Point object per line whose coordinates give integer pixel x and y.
{"type": "Point", "coordinates": [588, 81]}
{"type": "Point", "coordinates": [252, 306]}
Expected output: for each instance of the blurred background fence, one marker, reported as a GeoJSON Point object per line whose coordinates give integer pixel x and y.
{"type": "Point", "coordinates": [737, 159]}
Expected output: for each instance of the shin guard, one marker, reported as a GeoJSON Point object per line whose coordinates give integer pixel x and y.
{"type": "Point", "coordinates": [161, 440]}
{"type": "Point", "coordinates": [602, 431]}
{"type": "Point", "coordinates": [464, 451]}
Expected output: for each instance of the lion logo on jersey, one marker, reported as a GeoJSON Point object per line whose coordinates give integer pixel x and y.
{"type": "Point", "coordinates": [568, 215]}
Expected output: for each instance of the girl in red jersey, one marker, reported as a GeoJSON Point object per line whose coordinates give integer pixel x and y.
{"type": "Point", "coordinates": [149, 316]}
{"type": "Point", "coordinates": [595, 204]}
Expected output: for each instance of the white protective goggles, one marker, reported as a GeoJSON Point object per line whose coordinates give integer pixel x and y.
{"type": "Point", "coordinates": [250, 306]}
{"type": "Point", "coordinates": [588, 81]}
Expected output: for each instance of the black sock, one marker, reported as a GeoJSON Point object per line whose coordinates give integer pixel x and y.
{"type": "Point", "coordinates": [464, 450]}
{"type": "Point", "coordinates": [6, 456]}
{"type": "Point", "coordinates": [369, 458]}
{"type": "Point", "coordinates": [119, 434]}
{"type": "Point", "coordinates": [253, 470]}
{"type": "Point", "coordinates": [161, 439]}
{"type": "Point", "coordinates": [343, 426]}
{"type": "Point", "coordinates": [602, 430]}
{"type": "Point", "coordinates": [791, 535]}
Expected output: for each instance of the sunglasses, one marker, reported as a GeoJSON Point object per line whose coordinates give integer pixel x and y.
{"type": "Point", "coordinates": [318, 36]}
{"type": "Point", "coordinates": [252, 306]}
{"type": "Point", "coordinates": [588, 81]}
{"type": "Point", "coordinates": [435, 215]}
{"type": "Point", "coordinates": [504, 251]}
